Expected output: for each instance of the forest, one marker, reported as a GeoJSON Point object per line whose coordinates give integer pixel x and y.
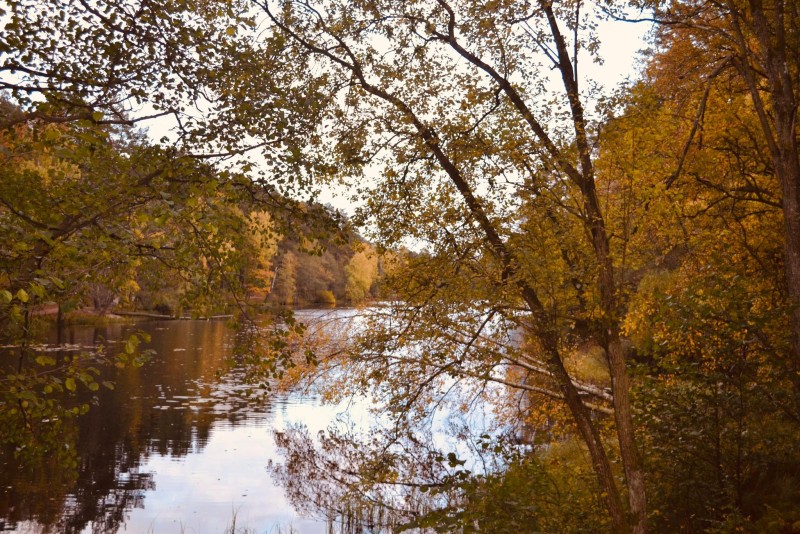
{"type": "Point", "coordinates": [614, 271]}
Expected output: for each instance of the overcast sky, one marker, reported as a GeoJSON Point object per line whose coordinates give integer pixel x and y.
{"type": "Point", "coordinates": [620, 46]}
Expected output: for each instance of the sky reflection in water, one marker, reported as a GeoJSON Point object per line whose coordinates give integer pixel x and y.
{"type": "Point", "coordinates": [178, 446]}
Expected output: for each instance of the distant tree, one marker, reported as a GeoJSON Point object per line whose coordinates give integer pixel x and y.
{"type": "Point", "coordinates": [260, 248]}
{"type": "Point", "coordinates": [362, 271]}
{"type": "Point", "coordinates": [284, 289]}
{"type": "Point", "coordinates": [315, 275]}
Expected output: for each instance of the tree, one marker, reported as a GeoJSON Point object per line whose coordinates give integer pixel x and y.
{"type": "Point", "coordinates": [261, 248]}
{"type": "Point", "coordinates": [107, 61]}
{"type": "Point", "coordinates": [758, 42]}
{"type": "Point", "coordinates": [475, 151]}
{"type": "Point", "coordinates": [285, 279]}
{"type": "Point", "coordinates": [361, 270]}
{"type": "Point", "coordinates": [709, 316]}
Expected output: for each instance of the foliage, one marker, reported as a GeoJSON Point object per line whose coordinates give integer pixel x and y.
{"type": "Point", "coordinates": [331, 269]}
{"type": "Point", "coordinates": [554, 493]}
{"type": "Point", "coordinates": [92, 216]}
{"type": "Point", "coordinates": [562, 244]}
{"type": "Point", "coordinates": [709, 312]}
{"type": "Point", "coordinates": [361, 272]}
{"type": "Point", "coordinates": [106, 61]}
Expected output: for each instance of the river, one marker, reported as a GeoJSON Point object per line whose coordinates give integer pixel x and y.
{"type": "Point", "coordinates": [178, 446]}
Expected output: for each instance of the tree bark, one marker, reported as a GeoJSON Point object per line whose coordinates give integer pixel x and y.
{"type": "Point", "coordinates": [610, 328]}
{"type": "Point", "coordinates": [779, 125]}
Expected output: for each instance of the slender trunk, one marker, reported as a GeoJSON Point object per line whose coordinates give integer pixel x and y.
{"type": "Point", "coordinates": [620, 383]}
{"type": "Point", "coordinates": [610, 335]}
{"type": "Point", "coordinates": [789, 174]}
{"type": "Point", "coordinates": [586, 427]}
{"type": "Point", "coordinates": [60, 325]}
{"type": "Point", "coordinates": [634, 473]}
{"type": "Point", "coordinates": [782, 140]}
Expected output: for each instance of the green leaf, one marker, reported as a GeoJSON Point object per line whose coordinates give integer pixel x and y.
{"type": "Point", "coordinates": [22, 295]}
{"type": "Point", "coordinates": [45, 360]}
{"type": "Point", "coordinates": [51, 134]}
{"type": "Point", "coordinates": [69, 383]}
{"type": "Point", "coordinates": [38, 290]}
{"type": "Point", "coordinates": [6, 295]}
{"type": "Point", "coordinates": [97, 116]}
{"type": "Point", "coordinates": [131, 344]}
{"type": "Point", "coordinates": [46, 238]}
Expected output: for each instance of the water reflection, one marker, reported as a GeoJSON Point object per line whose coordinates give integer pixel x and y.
{"type": "Point", "coordinates": [179, 445]}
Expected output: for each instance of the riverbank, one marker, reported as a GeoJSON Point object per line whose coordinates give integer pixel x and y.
{"type": "Point", "coordinates": [91, 316]}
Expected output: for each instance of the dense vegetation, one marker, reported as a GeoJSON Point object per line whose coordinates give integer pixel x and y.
{"type": "Point", "coordinates": [617, 275]}
{"type": "Point", "coordinates": [167, 233]}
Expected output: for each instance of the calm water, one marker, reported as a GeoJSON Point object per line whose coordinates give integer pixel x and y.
{"type": "Point", "coordinates": [178, 446]}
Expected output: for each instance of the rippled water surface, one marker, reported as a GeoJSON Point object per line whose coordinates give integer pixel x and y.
{"type": "Point", "coordinates": [178, 446]}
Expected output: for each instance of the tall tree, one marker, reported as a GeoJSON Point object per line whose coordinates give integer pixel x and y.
{"type": "Point", "coordinates": [454, 103]}
{"type": "Point", "coordinates": [758, 40]}
{"type": "Point", "coordinates": [709, 314]}
{"type": "Point", "coordinates": [361, 271]}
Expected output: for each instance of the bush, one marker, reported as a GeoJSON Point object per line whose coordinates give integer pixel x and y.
{"type": "Point", "coordinates": [326, 298]}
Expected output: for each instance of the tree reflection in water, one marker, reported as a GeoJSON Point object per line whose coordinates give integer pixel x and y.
{"type": "Point", "coordinates": [165, 408]}
{"type": "Point", "coordinates": [98, 488]}
{"type": "Point", "coordinates": [386, 480]}
{"type": "Point", "coordinates": [351, 484]}
{"type": "Point", "coordinates": [426, 456]}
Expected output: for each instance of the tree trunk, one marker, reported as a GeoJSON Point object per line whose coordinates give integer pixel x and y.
{"type": "Point", "coordinates": [586, 427]}
{"type": "Point", "coordinates": [607, 285]}
{"type": "Point", "coordinates": [790, 182]}
{"type": "Point", "coordinates": [780, 132]}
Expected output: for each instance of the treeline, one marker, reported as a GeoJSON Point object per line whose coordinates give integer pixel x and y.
{"type": "Point", "coordinates": [618, 272]}
{"type": "Point", "coordinates": [333, 273]}
{"type": "Point", "coordinates": [97, 217]}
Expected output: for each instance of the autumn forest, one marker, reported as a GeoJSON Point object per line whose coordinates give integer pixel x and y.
{"type": "Point", "coordinates": [611, 271]}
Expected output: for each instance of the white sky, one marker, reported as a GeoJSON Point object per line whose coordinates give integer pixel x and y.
{"type": "Point", "coordinates": [620, 47]}
{"type": "Point", "coordinates": [620, 44]}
